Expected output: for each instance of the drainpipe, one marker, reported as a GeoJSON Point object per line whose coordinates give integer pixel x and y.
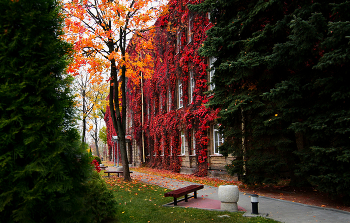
{"type": "Point", "coordinates": [142, 122]}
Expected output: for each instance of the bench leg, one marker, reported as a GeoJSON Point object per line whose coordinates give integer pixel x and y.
{"type": "Point", "coordinates": [195, 194]}
{"type": "Point", "coordinates": [108, 174]}
{"type": "Point", "coordinates": [186, 198]}
{"type": "Point", "coordinates": [175, 201]}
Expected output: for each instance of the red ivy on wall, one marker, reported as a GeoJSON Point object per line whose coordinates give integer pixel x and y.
{"type": "Point", "coordinates": [172, 63]}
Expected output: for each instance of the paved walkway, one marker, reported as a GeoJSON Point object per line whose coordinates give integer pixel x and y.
{"type": "Point", "coordinates": [280, 210]}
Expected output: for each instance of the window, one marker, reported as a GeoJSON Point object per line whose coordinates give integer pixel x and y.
{"type": "Point", "coordinates": [193, 147]}
{"type": "Point", "coordinates": [180, 100]}
{"type": "Point", "coordinates": [131, 119]}
{"type": "Point", "coordinates": [212, 72]}
{"type": "Point", "coordinates": [190, 26]}
{"type": "Point", "coordinates": [160, 103]}
{"type": "Point", "coordinates": [218, 140]}
{"type": "Point", "coordinates": [178, 42]}
{"type": "Point", "coordinates": [162, 146]}
{"type": "Point", "coordinates": [154, 107]}
{"type": "Point", "coordinates": [171, 146]}
{"type": "Point", "coordinates": [169, 100]}
{"type": "Point", "coordinates": [148, 110]}
{"type": "Point", "coordinates": [191, 87]}
{"type": "Point", "coordinates": [146, 147]}
{"type": "Point", "coordinates": [183, 141]}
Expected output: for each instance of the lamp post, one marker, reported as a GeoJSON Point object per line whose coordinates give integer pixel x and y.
{"type": "Point", "coordinates": [115, 139]}
{"type": "Point", "coordinates": [113, 153]}
{"type": "Point", "coordinates": [117, 154]}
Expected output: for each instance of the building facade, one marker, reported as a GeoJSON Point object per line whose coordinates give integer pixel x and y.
{"type": "Point", "coordinates": [168, 121]}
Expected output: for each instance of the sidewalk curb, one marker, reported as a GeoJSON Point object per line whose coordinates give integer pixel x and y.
{"type": "Point", "coordinates": [276, 209]}
{"type": "Point", "coordinates": [301, 204]}
{"type": "Point", "coordinates": [264, 197]}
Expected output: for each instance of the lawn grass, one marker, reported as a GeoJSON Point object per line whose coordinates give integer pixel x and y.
{"type": "Point", "coordinates": [139, 202]}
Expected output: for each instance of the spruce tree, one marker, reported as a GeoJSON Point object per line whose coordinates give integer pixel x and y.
{"type": "Point", "coordinates": [280, 83]}
{"type": "Point", "coordinates": [45, 173]}
{"type": "Point", "coordinates": [314, 97]}
{"type": "Point", "coordinates": [241, 38]}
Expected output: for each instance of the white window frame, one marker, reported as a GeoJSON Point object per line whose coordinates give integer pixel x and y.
{"type": "Point", "coordinates": [160, 103]}
{"type": "Point", "coordinates": [180, 95]}
{"type": "Point", "coordinates": [190, 24]}
{"type": "Point", "coordinates": [183, 143]}
{"type": "Point", "coordinates": [191, 87]}
{"type": "Point", "coordinates": [178, 42]}
{"type": "Point", "coordinates": [218, 140]}
{"type": "Point", "coordinates": [162, 146]}
{"type": "Point", "coordinates": [148, 114]}
{"type": "Point", "coordinates": [131, 119]}
{"type": "Point", "coordinates": [169, 100]}
{"type": "Point", "coordinates": [193, 148]}
{"type": "Point", "coordinates": [211, 72]}
{"type": "Point", "coordinates": [148, 150]}
{"type": "Point", "coordinates": [171, 146]}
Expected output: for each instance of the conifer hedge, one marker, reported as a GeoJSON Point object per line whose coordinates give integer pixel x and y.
{"type": "Point", "coordinates": [281, 83]}
{"type": "Point", "coordinates": [45, 175]}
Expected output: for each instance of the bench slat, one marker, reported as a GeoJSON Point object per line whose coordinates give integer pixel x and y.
{"type": "Point", "coordinates": [113, 171]}
{"type": "Point", "coordinates": [183, 191]}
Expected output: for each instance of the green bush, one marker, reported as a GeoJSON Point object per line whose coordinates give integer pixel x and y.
{"type": "Point", "coordinates": [97, 159]}
{"type": "Point", "coordinates": [100, 201]}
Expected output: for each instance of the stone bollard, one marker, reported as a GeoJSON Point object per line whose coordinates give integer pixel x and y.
{"type": "Point", "coordinates": [229, 196]}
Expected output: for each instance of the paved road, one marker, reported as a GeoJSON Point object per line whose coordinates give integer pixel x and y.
{"type": "Point", "coordinates": [280, 210]}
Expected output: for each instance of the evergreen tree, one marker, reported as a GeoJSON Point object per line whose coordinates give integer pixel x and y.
{"type": "Point", "coordinates": [280, 83]}
{"type": "Point", "coordinates": [241, 38]}
{"type": "Point", "coordinates": [314, 96]}
{"type": "Point", "coordinates": [45, 173]}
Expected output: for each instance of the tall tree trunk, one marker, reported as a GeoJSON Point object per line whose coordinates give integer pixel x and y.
{"type": "Point", "coordinates": [84, 119]}
{"type": "Point", "coordinates": [121, 121]}
{"type": "Point", "coordinates": [118, 120]}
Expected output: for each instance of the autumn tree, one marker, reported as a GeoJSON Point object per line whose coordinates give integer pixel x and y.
{"type": "Point", "coordinates": [99, 95]}
{"type": "Point", "coordinates": [91, 102]}
{"type": "Point", "coordinates": [84, 85]}
{"type": "Point", "coordinates": [100, 31]}
{"type": "Point", "coordinates": [102, 135]}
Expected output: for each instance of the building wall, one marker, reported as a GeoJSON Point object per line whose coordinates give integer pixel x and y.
{"type": "Point", "coordinates": [167, 109]}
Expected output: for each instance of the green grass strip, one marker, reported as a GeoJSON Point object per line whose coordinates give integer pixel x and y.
{"type": "Point", "coordinates": [139, 202]}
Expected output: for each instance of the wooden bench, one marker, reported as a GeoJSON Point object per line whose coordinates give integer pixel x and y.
{"type": "Point", "coordinates": [103, 167]}
{"type": "Point", "coordinates": [184, 191]}
{"type": "Point", "coordinates": [113, 171]}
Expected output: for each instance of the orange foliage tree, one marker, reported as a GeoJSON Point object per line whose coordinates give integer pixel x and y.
{"type": "Point", "coordinates": [100, 30]}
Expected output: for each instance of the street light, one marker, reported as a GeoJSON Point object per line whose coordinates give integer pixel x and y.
{"type": "Point", "coordinates": [115, 139]}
